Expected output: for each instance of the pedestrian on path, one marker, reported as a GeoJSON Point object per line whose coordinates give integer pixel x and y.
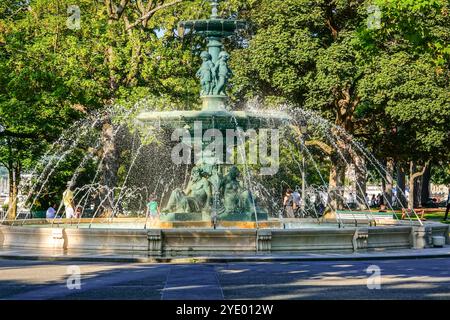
{"type": "Point", "coordinates": [448, 206]}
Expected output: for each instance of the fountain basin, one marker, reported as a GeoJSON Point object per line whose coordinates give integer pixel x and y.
{"type": "Point", "coordinates": [190, 238]}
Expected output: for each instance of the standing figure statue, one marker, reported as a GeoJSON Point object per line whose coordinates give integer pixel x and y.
{"type": "Point", "coordinates": [205, 73]}
{"type": "Point", "coordinates": [222, 73]}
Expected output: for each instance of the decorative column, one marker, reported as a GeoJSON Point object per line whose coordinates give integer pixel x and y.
{"type": "Point", "coordinates": [360, 239]}
{"type": "Point", "coordinates": [154, 242]}
{"type": "Point", "coordinates": [263, 240]}
{"type": "Point", "coordinates": [421, 237]}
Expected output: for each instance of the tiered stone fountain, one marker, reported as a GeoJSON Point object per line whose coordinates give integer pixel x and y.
{"type": "Point", "coordinates": [216, 213]}
{"type": "Point", "coordinates": [215, 190]}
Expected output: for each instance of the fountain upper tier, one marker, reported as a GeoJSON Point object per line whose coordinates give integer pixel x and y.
{"type": "Point", "coordinates": [213, 27]}
{"type": "Point", "coordinates": [214, 74]}
{"type": "Point", "coordinates": [216, 118]}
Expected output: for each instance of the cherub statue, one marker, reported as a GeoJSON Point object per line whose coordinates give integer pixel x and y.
{"type": "Point", "coordinates": [222, 73]}
{"type": "Point", "coordinates": [205, 73]}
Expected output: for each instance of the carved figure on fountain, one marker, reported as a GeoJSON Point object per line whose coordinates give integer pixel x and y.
{"type": "Point", "coordinates": [196, 198]}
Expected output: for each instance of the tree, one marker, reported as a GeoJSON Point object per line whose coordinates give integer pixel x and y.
{"type": "Point", "coordinates": [374, 83]}
{"type": "Point", "coordinates": [410, 85]}
{"type": "Point", "coordinates": [65, 69]}
{"type": "Point", "coordinates": [31, 120]}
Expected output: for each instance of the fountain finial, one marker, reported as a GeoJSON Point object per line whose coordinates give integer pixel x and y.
{"type": "Point", "coordinates": [214, 11]}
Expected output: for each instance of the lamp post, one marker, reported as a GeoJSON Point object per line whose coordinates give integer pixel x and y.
{"type": "Point", "coordinates": [304, 131]}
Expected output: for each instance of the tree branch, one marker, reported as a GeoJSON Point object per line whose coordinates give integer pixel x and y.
{"type": "Point", "coordinates": [121, 8]}
{"type": "Point", "coordinates": [151, 12]}
{"type": "Point", "coordinates": [421, 173]}
{"type": "Point", "coordinates": [322, 145]}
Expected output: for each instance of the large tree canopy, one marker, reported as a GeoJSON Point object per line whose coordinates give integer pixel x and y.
{"type": "Point", "coordinates": [386, 83]}
{"type": "Point", "coordinates": [323, 55]}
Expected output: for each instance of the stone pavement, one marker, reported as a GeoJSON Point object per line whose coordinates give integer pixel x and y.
{"type": "Point", "coordinates": [398, 279]}
{"type": "Point", "coordinates": [179, 284]}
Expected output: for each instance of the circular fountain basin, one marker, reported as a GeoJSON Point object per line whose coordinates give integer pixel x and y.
{"type": "Point", "coordinates": [159, 238]}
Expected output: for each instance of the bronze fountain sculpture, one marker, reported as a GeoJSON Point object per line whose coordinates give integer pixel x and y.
{"type": "Point", "coordinates": [215, 190]}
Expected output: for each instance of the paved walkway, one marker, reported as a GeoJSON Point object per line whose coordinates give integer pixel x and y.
{"type": "Point", "coordinates": [397, 279]}
{"type": "Point", "coordinates": [196, 282]}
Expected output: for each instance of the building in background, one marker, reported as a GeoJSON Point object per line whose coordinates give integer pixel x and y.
{"type": "Point", "coordinates": [4, 183]}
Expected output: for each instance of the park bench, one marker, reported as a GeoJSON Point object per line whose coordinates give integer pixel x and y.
{"type": "Point", "coordinates": [408, 213]}
{"type": "Point", "coordinates": [357, 217]}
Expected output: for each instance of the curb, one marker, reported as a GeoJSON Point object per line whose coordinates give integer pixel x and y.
{"type": "Point", "coordinates": [219, 259]}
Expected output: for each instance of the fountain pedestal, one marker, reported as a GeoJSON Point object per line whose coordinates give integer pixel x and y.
{"type": "Point", "coordinates": [214, 103]}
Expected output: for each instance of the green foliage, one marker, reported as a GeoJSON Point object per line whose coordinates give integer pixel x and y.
{"type": "Point", "coordinates": [440, 174]}
{"type": "Point", "coordinates": [389, 86]}
{"type": "Point", "coordinates": [51, 75]}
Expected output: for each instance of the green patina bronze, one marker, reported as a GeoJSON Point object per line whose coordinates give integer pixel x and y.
{"type": "Point", "coordinates": [214, 76]}
{"type": "Point", "coordinates": [214, 72]}
{"type": "Point", "coordinates": [214, 191]}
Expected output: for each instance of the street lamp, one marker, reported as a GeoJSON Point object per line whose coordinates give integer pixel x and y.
{"type": "Point", "coordinates": [304, 131]}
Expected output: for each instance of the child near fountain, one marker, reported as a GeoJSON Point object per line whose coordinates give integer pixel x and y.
{"type": "Point", "coordinates": [153, 207]}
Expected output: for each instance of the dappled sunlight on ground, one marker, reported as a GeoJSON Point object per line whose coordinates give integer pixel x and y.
{"type": "Point", "coordinates": [400, 279]}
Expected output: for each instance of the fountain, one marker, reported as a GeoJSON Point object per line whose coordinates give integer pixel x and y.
{"type": "Point", "coordinates": [221, 209]}
{"type": "Point", "coordinates": [214, 192]}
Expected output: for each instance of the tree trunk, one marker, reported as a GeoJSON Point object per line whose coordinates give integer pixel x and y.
{"type": "Point", "coordinates": [412, 169]}
{"type": "Point", "coordinates": [413, 175]}
{"type": "Point", "coordinates": [390, 165]}
{"type": "Point", "coordinates": [111, 59]}
{"type": "Point", "coordinates": [336, 183]}
{"type": "Point", "coordinates": [401, 184]}
{"type": "Point", "coordinates": [417, 192]}
{"type": "Point", "coordinates": [425, 190]}
{"type": "Point", "coordinates": [14, 180]}
{"type": "Point", "coordinates": [135, 60]}
{"type": "Point", "coordinates": [110, 166]}
{"type": "Point", "coordinates": [110, 163]}
{"type": "Point", "coordinates": [361, 181]}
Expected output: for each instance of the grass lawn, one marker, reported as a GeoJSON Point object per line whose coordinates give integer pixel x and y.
{"type": "Point", "coordinates": [437, 216]}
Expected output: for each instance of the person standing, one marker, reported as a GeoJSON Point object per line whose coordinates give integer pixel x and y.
{"type": "Point", "coordinates": [373, 202]}
{"type": "Point", "coordinates": [288, 204]}
{"type": "Point", "coordinates": [448, 206]}
{"type": "Point", "coordinates": [297, 201]}
{"type": "Point", "coordinates": [68, 202]}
